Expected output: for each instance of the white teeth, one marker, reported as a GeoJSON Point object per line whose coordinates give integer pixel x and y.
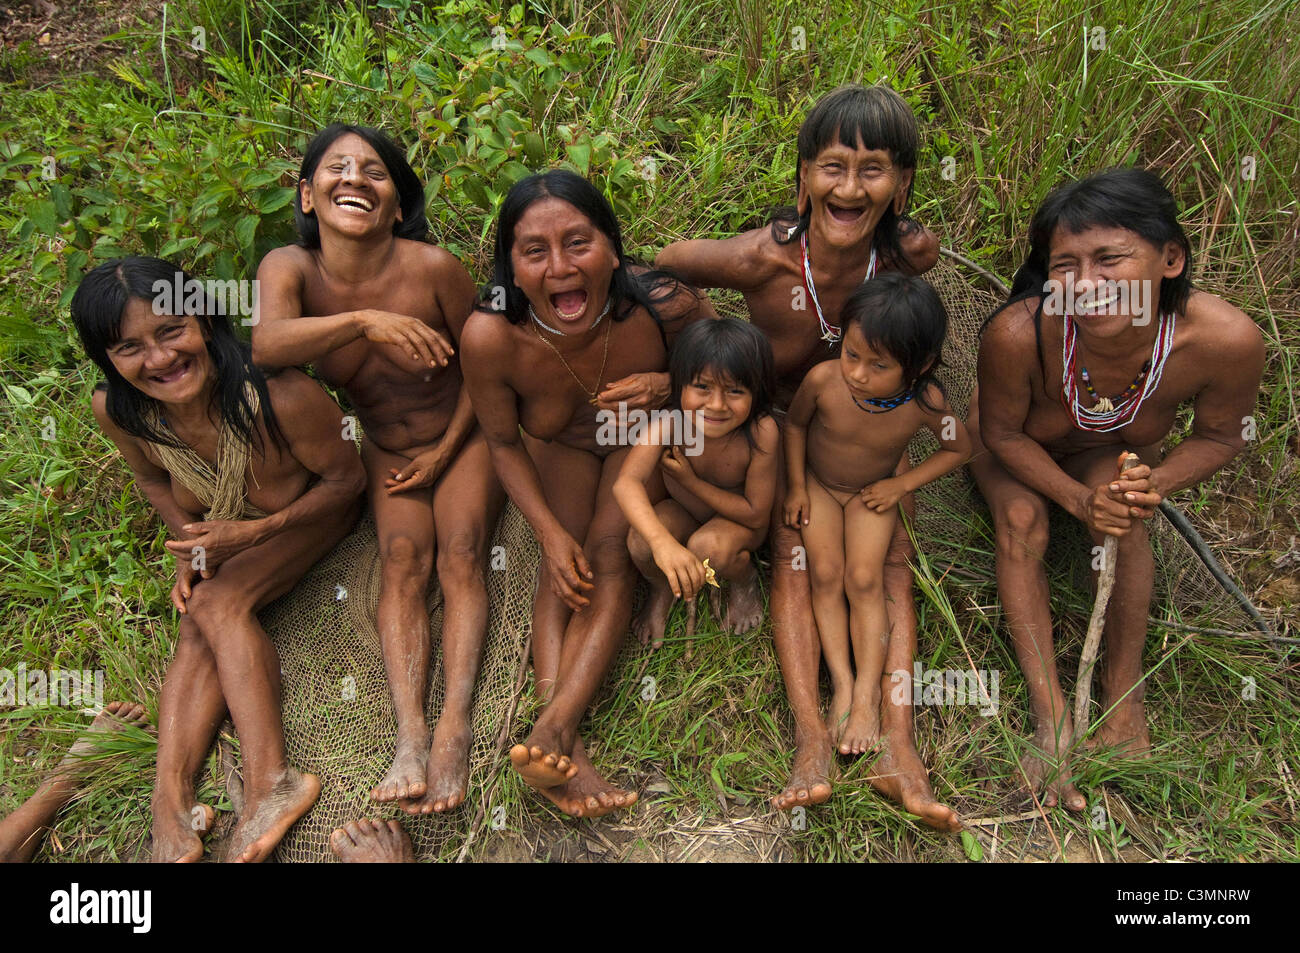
{"type": "Point", "coordinates": [355, 201]}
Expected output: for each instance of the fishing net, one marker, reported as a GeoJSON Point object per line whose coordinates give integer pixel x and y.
{"type": "Point", "coordinates": [338, 716]}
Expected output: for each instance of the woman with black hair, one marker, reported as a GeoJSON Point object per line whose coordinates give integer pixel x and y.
{"type": "Point", "coordinates": [375, 306]}
{"type": "Point", "coordinates": [857, 152]}
{"type": "Point", "coordinates": [568, 314]}
{"type": "Point", "coordinates": [255, 485]}
{"type": "Point", "coordinates": [1102, 339]}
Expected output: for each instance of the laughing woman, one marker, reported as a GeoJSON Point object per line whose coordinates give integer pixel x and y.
{"type": "Point", "coordinates": [577, 317]}
{"type": "Point", "coordinates": [255, 484]}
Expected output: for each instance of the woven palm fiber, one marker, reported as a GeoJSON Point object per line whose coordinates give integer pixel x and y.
{"type": "Point", "coordinates": [338, 717]}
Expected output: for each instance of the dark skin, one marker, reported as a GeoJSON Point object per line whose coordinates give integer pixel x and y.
{"type": "Point", "coordinates": [768, 274]}
{"type": "Point", "coordinates": [844, 497]}
{"type": "Point", "coordinates": [540, 423]}
{"type": "Point", "coordinates": [1037, 456]}
{"type": "Point", "coordinates": [378, 316]}
{"type": "Point", "coordinates": [224, 661]}
{"type": "Point", "coordinates": [714, 505]}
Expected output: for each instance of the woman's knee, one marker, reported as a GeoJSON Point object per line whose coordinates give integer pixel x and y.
{"type": "Point", "coordinates": [608, 554]}
{"type": "Point", "coordinates": [405, 556]}
{"type": "Point", "coordinates": [214, 606]}
{"type": "Point", "coordinates": [460, 560]}
{"type": "Point", "coordinates": [1022, 531]}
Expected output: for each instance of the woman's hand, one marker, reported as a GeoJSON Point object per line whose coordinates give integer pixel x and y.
{"type": "Point", "coordinates": [682, 569]}
{"type": "Point", "coordinates": [186, 577]}
{"type": "Point", "coordinates": [797, 508]}
{"type": "Point", "coordinates": [212, 543]}
{"type": "Point", "coordinates": [412, 335]}
{"type": "Point", "coordinates": [883, 494]}
{"type": "Point", "coordinates": [423, 471]}
{"type": "Point", "coordinates": [570, 573]}
{"type": "Point", "coordinates": [1111, 508]}
{"type": "Point", "coordinates": [638, 391]}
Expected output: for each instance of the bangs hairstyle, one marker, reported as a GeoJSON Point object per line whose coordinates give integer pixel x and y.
{"type": "Point", "coordinates": [904, 317]}
{"type": "Point", "coordinates": [873, 117]}
{"type": "Point", "coordinates": [627, 290]}
{"type": "Point", "coordinates": [98, 308]}
{"type": "Point", "coordinates": [410, 191]}
{"type": "Point", "coordinates": [731, 348]}
{"type": "Point", "coordinates": [1132, 199]}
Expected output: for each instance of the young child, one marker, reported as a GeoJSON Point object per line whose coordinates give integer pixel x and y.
{"type": "Point", "coordinates": [713, 480]}
{"type": "Point", "coordinates": [848, 427]}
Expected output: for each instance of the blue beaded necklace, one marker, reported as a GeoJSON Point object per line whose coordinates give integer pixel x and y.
{"type": "Point", "coordinates": [885, 404]}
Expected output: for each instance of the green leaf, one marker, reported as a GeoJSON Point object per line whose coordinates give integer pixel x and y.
{"type": "Point", "coordinates": [971, 845]}
{"type": "Point", "coordinates": [245, 228]}
{"type": "Point", "coordinates": [534, 148]}
{"type": "Point", "coordinates": [580, 155]}
{"type": "Point", "coordinates": [424, 74]}
{"type": "Point", "coordinates": [275, 199]}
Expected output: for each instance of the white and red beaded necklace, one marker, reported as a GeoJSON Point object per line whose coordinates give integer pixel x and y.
{"type": "Point", "coordinates": [1107, 413]}
{"type": "Point", "coordinates": [830, 333]}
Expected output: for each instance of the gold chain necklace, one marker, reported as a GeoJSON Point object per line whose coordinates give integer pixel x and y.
{"type": "Point", "coordinates": [591, 394]}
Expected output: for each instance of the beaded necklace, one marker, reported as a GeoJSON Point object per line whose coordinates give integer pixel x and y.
{"type": "Point", "coordinates": [830, 333]}
{"type": "Point", "coordinates": [885, 404]}
{"type": "Point", "coordinates": [1108, 413]}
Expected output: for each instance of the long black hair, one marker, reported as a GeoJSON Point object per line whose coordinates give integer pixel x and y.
{"type": "Point", "coordinates": [410, 191]}
{"type": "Point", "coordinates": [97, 311]}
{"type": "Point", "coordinates": [903, 316]}
{"type": "Point", "coordinates": [1133, 199]}
{"type": "Point", "coordinates": [873, 117]}
{"type": "Point", "coordinates": [731, 348]}
{"type": "Point", "coordinates": [630, 286]}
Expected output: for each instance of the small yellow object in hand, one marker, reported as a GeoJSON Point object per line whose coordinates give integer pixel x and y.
{"type": "Point", "coordinates": [710, 576]}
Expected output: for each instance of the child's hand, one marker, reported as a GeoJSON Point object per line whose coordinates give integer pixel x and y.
{"type": "Point", "coordinates": [674, 464]}
{"type": "Point", "coordinates": [684, 572]}
{"type": "Point", "coordinates": [883, 494]}
{"type": "Point", "coordinates": [797, 508]}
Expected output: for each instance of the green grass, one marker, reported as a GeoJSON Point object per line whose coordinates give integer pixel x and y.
{"type": "Point", "coordinates": [191, 155]}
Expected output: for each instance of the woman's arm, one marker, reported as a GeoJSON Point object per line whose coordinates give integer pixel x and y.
{"type": "Point", "coordinates": [284, 337]}
{"type": "Point", "coordinates": [485, 359]}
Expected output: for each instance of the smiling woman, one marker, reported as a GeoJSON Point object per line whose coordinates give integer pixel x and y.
{"type": "Point", "coordinates": [254, 484]}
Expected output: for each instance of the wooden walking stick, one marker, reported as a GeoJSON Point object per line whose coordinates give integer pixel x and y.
{"type": "Point", "coordinates": [1092, 641]}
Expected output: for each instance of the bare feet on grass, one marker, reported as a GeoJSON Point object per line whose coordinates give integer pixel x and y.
{"type": "Point", "coordinates": [406, 778]}
{"type": "Point", "coordinates": [862, 730]}
{"type": "Point", "coordinates": [810, 777]}
{"type": "Point", "coordinates": [1047, 768]}
{"type": "Point", "coordinates": [448, 770]}
{"type": "Point", "coordinates": [268, 818]}
{"type": "Point", "coordinates": [651, 622]}
{"type": "Point", "coordinates": [1124, 730]}
{"type": "Point", "coordinates": [539, 761]}
{"type": "Point", "coordinates": [587, 794]}
{"type": "Point", "coordinates": [372, 842]}
{"type": "Point", "coordinates": [837, 717]}
{"type": "Point", "coordinates": [178, 834]}
{"type": "Point", "coordinates": [115, 716]}
{"type": "Point", "coordinates": [900, 775]}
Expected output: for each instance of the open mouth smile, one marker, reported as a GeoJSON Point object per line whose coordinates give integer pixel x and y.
{"type": "Point", "coordinates": [354, 201]}
{"type": "Point", "coordinates": [569, 305]}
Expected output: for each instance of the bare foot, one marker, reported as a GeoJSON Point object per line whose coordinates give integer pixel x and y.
{"type": "Point", "coordinates": [837, 718]}
{"type": "Point", "coordinates": [587, 794]}
{"type": "Point", "coordinates": [1125, 730]}
{"type": "Point", "coordinates": [539, 761]}
{"type": "Point", "coordinates": [809, 778]}
{"type": "Point", "coordinates": [406, 777]}
{"type": "Point", "coordinates": [1048, 769]}
{"type": "Point", "coordinates": [650, 622]}
{"type": "Point", "coordinates": [266, 820]}
{"type": "Point", "coordinates": [862, 731]}
{"type": "Point", "coordinates": [900, 776]}
{"type": "Point", "coordinates": [744, 606]}
{"type": "Point", "coordinates": [115, 716]}
{"type": "Point", "coordinates": [448, 770]}
{"type": "Point", "coordinates": [372, 842]}
{"type": "Point", "coordinates": [178, 834]}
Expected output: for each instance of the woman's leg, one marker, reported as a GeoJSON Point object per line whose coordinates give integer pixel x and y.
{"type": "Point", "coordinates": [224, 608]}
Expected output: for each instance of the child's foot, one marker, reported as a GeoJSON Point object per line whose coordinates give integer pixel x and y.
{"type": "Point", "coordinates": [178, 834]}
{"type": "Point", "coordinates": [587, 794]}
{"type": "Point", "coordinates": [1046, 767]}
{"type": "Point", "coordinates": [448, 770]}
{"type": "Point", "coordinates": [862, 730]}
{"type": "Point", "coordinates": [652, 620]}
{"type": "Point", "coordinates": [540, 762]}
{"type": "Point", "coordinates": [744, 606]}
{"type": "Point", "coordinates": [267, 819]}
{"type": "Point", "coordinates": [838, 716]}
{"type": "Point", "coordinates": [406, 778]}
{"type": "Point", "coordinates": [372, 842]}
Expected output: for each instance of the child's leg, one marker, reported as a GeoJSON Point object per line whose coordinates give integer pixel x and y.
{"type": "Point", "coordinates": [867, 535]}
{"type": "Point", "coordinates": [824, 538]}
{"type": "Point", "coordinates": [728, 547]}
{"type": "Point", "coordinates": [653, 618]}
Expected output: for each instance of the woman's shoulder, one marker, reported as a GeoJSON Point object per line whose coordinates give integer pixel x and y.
{"type": "Point", "coordinates": [487, 334]}
{"type": "Point", "coordinates": [1220, 326]}
{"type": "Point", "coordinates": [1012, 325]}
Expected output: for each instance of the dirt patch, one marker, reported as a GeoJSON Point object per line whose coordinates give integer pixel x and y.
{"type": "Point", "coordinates": [42, 40]}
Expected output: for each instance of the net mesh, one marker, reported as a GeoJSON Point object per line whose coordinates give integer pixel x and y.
{"type": "Point", "coordinates": [338, 717]}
